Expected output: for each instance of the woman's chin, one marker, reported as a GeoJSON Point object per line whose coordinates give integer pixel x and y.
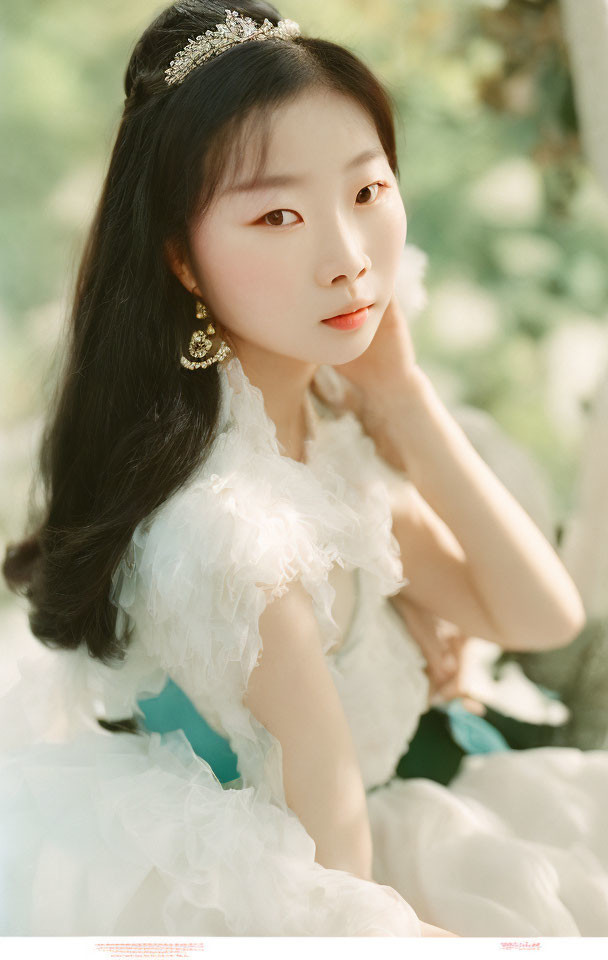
{"type": "Point", "coordinates": [351, 345]}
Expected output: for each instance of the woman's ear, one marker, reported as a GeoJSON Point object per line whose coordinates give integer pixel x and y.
{"type": "Point", "coordinates": [179, 263]}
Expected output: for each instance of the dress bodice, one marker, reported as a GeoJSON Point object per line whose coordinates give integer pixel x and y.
{"type": "Point", "coordinates": [201, 568]}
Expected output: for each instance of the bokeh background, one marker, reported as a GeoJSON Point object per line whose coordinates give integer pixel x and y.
{"type": "Point", "coordinates": [507, 215]}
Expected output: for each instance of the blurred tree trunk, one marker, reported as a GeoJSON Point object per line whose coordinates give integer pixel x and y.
{"type": "Point", "coordinates": [579, 672]}
{"type": "Point", "coordinates": [586, 30]}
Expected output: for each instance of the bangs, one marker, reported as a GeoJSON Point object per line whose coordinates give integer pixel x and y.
{"type": "Point", "coordinates": [241, 137]}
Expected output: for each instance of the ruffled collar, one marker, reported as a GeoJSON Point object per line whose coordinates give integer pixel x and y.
{"type": "Point", "coordinates": [333, 508]}
{"type": "Point", "coordinates": [340, 486]}
{"type": "Point", "coordinates": [238, 391]}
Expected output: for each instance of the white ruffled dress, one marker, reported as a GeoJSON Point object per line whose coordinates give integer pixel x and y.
{"type": "Point", "coordinates": [109, 834]}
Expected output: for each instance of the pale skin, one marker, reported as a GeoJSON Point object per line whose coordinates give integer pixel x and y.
{"type": "Point", "coordinates": [271, 264]}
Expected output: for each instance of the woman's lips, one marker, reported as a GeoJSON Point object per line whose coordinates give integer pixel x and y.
{"type": "Point", "coordinates": [348, 321]}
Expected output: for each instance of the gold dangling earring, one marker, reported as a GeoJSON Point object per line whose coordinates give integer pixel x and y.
{"type": "Point", "coordinates": [200, 343]}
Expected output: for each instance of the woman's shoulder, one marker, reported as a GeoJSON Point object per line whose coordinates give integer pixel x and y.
{"type": "Point", "coordinates": [246, 518]}
{"type": "Point", "coordinates": [246, 502]}
{"type": "Point", "coordinates": [249, 517]}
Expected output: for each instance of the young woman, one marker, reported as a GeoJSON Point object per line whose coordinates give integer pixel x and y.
{"type": "Point", "coordinates": [210, 519]}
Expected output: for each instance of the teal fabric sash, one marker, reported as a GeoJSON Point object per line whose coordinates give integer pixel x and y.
{"type": "Point", "coordinates": [173, 710]}
{"type": "Point", "coordinates": [444, 736]}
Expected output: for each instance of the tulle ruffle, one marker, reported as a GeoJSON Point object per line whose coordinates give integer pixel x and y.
{"type": "Point", "coordinates": [134, 835]}
{"type": "Point", "coordinates": [201, 569]}
{"type": "Point", "coordinates": [116, 833]}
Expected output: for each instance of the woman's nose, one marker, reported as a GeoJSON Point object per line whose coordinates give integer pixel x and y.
{"type": "Point", "coordinates": [345, 258]}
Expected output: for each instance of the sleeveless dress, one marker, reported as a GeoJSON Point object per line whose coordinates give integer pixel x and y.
{"type": "Point", "coordinates": [133, 834]}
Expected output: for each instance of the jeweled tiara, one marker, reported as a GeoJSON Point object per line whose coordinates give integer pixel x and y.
{"type": "Point", "coordinates": [234, 30]}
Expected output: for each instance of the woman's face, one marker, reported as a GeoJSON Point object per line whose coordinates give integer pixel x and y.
{"type": "Point", "coordinates": [273, 261]}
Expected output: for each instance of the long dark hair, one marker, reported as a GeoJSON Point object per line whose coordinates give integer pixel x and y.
{"type": "Point", "coordinates": [128, 424]}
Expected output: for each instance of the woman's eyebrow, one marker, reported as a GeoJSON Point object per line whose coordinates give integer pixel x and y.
{"type": "Point", "coordinates": [282, 180]}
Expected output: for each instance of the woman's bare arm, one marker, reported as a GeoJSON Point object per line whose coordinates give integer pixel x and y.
{"type": "Point", "coordinates": [291, 692]}
{"type": "Point", "coordinates": [475, 556]}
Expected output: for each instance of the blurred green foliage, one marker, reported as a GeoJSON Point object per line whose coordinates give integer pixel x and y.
{"type": "Point", "coordinates": [492, 175]}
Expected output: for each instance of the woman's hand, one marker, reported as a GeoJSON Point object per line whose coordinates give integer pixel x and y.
{"type": "Point", "coordinates": [442, 645]}
{"type": "Point", "coordinates": [388, 361]}
{"type": "Point", "coordinates": [368, 384]}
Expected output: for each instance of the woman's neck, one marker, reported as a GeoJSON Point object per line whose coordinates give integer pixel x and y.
{"type": "Point", "coordinates": [284, 382]}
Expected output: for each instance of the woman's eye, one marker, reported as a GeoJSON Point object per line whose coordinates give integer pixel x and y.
{"type": "Point", "coordinates": [275, 213]}
{"type": "Point", "coordinates": [271, 219]}
{"type": "Point", "coordinates": [377, 184]}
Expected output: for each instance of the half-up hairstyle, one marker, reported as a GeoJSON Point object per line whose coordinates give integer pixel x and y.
{"type": "Point", "coordinates": [128, 424]}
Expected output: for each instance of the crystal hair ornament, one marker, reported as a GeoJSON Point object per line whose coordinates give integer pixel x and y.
{"type": "Point", "coordinates": [234, 30]}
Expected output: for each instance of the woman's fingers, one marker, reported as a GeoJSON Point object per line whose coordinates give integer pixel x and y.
{"type": "Point", "coordinates": [452, 691]}
{"type": "Point", "coordinates": [421, 624]}
{"type": "Point", "coordinates": [474, 706]}
{"type": "Point", "coordinates": [428, 632]}
{"type": "Point", "coordinates": [454, 687]}
{"type": "Point", "coordinates": [442, 644]}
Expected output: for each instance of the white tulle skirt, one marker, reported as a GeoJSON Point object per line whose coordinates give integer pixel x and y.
{"type": "Point", "coordinates": [122, 834]}
{"type": "Point", "coordinates": [516, 845]}
{"type": "Point", "coordinates": [108, 834]}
